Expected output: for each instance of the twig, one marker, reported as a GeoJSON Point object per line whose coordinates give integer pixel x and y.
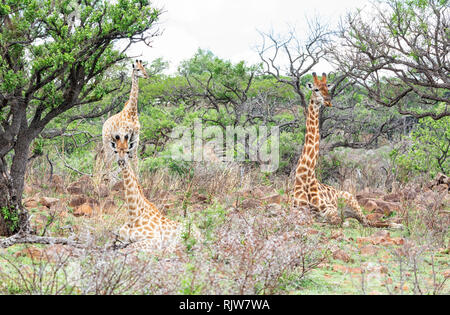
{"type": "Point", "coordinates": [70, 167]}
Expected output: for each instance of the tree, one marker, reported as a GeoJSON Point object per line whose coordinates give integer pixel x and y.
{"type": "Point", "coordinates": [54, 56]}
{"type": "Point", "coordinates": [398, 50]}
{"type": "Point", "coordinates": [222, 85]}
{"type": "Point", "coordinates": [429, 149]}
{"type": "Point", "coordinates": [350, 122]}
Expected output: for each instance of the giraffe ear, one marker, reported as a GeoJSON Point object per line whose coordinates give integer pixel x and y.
{"type": "Point", "coordinates": [132, 65]}
{"type": "Point", "coordinates": [309, 85]}
{"type": "Point", "coordinates": [330, 86]}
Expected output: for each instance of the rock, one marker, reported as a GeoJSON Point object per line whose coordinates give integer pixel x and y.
{"type": "Point", "coordinates": [57, 183]}
{"type": "Point", "coordinates": [312, 232]}
{"type": "Point", "coordinates": [367, 195]}
{"type": "Point", "coordinates": [109, 206]}
{"type": "Point", "coordinates": [48, 201]}
{"type": "Point", "coordinates": [84, 185]}
{"type": "Point", "coordinates": [441, 188]}
{"type": "Point", "coordinates": [346, 224]}
{"type": "Point", "coordinates": [39, 221]}
{"type": "Point", "coordinates": [198, 198]}
{"type": "Point", "coordinates": [74, 189]}
{"type": "Point", "coordinates": [245, 192]}
{"type": "Point", "coordinates": [388, 207]}
{"type": "Point", "coordinates": [393, 197]}
{"type": "Point", "coordinates": [341, 255]}
{"type": "Point", "coordinates": [344, 269]}
{"type": "Point", "coordinates": [28, 189]}
{"type": "Point", "coordinates": [374, 217]}
{"type": "Point", "coordinates": [409, 193]}
{"type": "Point", "coordinates": [118, 186]}
{"type": "Point", "coordinates": [83, 210]}
{"type": "Point", "coordinates": [57, 252]}
{"type": "Point", "coordinates": [273, 209]}
{"type": "Point", "coordinates": [32, 252]}
{"type": "Point", "coordinates": [273, 198]}
{"type": "Point", "coordinates": [262, 192]}
{"type": "Point", "coordinates": [30, 203]}
{"type": "Point", "coordinates": [371, 267]}
{"type": "Point", "coordinates": [446, 274]}
{"type": "Point", "coordinates": [103, 191]}
{"type": "Point", "coordinates": [168, 206]}
{"type": "Point", "coordinates": [369, 250]}
{"type": "Point", "coordinates": [77, 200]}
{"type": "Point", "coordinates": [249, 204]}
{"type": "Point", "coordinates": [337, 235]}
{"type": "Point", "coordinates": [370, 205]}
{"type": "Point", "coordinates": [381, 238]}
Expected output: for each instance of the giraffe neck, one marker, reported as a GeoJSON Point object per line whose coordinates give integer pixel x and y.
{"type": "Point", "coordinates": [136, 203]}
{"type": "Point", "coordinates": [310, 151]}
{"type": "Point", "coordinates": [131, 106]}
{"type": "Point", "coordinates": [135, 200]}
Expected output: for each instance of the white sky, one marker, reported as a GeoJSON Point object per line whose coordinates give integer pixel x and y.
{"type": "Point", "coordinates": [229, 27]}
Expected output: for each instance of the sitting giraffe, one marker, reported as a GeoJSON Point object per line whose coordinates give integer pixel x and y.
{"type": "Point", "coordinates": [147, 228]}
{"type": "Point", "coordinates": [124, 126]}
{"type": "Point", "coordinates": [308, 192]}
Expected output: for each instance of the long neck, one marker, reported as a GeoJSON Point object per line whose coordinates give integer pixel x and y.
{"type": "Point", "coordinates": [136, 202]}
{"type": "Point", "coordinates": [131, 106]}
{"type": "Point", "coordinates": [132, 195]}
{"type": "Point", "coordinates": [310, 151]}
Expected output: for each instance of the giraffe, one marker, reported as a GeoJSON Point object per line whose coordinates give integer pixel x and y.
{"type": "Point", "coordinates": [308, 191]}
{"type": "Point", "coordinates": [125, 125]}
{"type": "Point", "coordinates": [147, 229]}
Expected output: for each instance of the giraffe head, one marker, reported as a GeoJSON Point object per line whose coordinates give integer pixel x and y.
{"type": "Point", "coordinates": [139, 70]}
{"type": "Point", "coordinates": [319, 89]}
{"type": "Point", "coordinates": [122, 143]}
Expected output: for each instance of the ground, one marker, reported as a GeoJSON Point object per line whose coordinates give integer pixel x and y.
{"type": "Point", "coordinates": [252, 243]}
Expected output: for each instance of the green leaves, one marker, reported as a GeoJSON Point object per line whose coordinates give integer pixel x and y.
{"type": "Point", "coordinates": [430, 148]}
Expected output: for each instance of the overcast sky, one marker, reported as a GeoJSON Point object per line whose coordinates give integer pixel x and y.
{"type": "Point", "coordinates": [229, 28]}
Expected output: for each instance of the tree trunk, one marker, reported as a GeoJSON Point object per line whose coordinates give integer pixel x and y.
{"type": "Point", "coordinates": [4, 202]}
{"type": "Point", "coordinates": [13, 218]}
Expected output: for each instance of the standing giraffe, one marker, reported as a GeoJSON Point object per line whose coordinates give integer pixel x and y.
{"type": "Point", "coordinates": [124, 126]}
{"type": "Point", "coordinates": [146, 228]}
{"type": "Point", "coordinates": [308, 192]}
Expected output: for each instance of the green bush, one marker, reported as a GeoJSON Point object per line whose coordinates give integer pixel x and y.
{"type": "Point", "coordinates": [429, 149]}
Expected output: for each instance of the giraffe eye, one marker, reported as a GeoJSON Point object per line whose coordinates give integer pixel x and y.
{"type": "Point", "coordinates": [117, 137]}
{"type": "Point", "coordinates": [126, 137]}
{"type": "Point", "coordinates": [316, 90]}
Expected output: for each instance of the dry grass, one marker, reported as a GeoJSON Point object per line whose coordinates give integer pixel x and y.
{"type": "Point", "coordinates": [249, 246]}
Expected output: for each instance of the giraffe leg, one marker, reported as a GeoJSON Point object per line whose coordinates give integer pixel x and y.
{"type": "Point", "coordinates": [331, 214]}
{"type": "Point", "coordinates": [302, 210]}
{"type": "Point", "coordinates": [355, 210]}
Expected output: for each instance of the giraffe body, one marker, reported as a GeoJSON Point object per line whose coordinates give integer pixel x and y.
{"type": "Point", "coordinates": [147, 228]}
{"type": "Point", "coordinates": [124, 126]}
{"type": "Point", "coordinates": [308, 191]}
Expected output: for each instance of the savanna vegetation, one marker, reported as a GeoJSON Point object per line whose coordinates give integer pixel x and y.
{"type": "Point", "coordinates": [64, 69]}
